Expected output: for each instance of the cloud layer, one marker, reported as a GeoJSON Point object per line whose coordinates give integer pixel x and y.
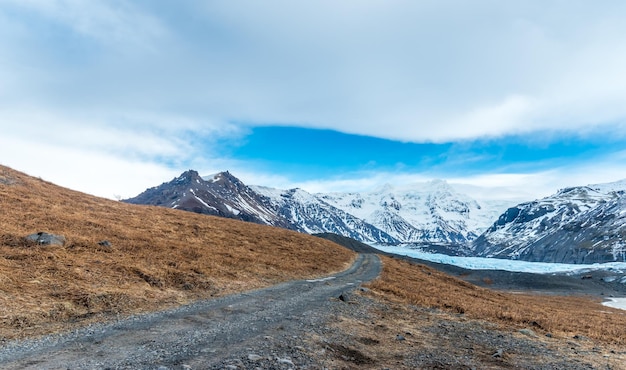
{"type": "Point", "coordinates": [157, 83]}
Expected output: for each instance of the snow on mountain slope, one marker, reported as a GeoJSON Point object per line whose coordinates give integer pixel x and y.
{"type": "Point", "coordinates": [221, 195]}
{"type": "Point", "coordinates": [431, 212]}
{"type": "Point", "coordinates": [423, 213]}
{"type": "Point", "coordinates": [577, 225]}
{"type": "Point", "coordinates": [609, 187]}
{"type": "Point", "coordinates": [314, 215]}
{"type": "Point", "coordinates": [584, 224]}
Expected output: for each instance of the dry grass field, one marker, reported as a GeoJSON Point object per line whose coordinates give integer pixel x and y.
{"type": "Point", "coordinates": [158, 257]}
{"type": "Point", "coordinates": [560, 316]}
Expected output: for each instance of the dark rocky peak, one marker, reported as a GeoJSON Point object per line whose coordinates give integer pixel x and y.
{"type": "Point", "coordinates": [188, 177]}
{"type": "Point", "coordinates": [225, 182]}
{"type": "Point", "coordinates": [290, 193]}
{"type": "Point", "coordinates": [223, 176]}
{"type": "Point", "coordinates": [578, 192]}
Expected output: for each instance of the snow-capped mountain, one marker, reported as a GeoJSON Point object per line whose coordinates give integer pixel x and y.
{"type": "Point", "coordinates": [424, 213]}
{"type": "Point", "coordinates": [576, 225]}
{"type": "Point", "coordinates": [225, 195]}
{"type": "Point", "coordinates": [314, 215]}
{"type": "Point", "coordinates": [220, 195]}
{"type": "Point", "coordinates": [432, 212]}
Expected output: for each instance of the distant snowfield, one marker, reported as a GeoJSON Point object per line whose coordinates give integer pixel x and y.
{"type": "Point", "coordinates": [479, 263]}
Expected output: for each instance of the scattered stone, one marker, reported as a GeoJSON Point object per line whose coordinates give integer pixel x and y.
{"type": "Point", "coordinates": [549, 335]}
{"type": "Point", "coordinates": [43, 238]}
{"type": "Point", "coordinates": [586, 277]}
{"type": "Point", "coordinates": [400, 337]}
{"type": "Point", "coordinates": [364, 290]}
{"type": "Point", "coordinates": [344, 297]}
{"type": "Point", "coordinates": [6, 180]}
{"type": "Point", "coordinates": [105, 243]}
{"type": "Point", "coordinates": [499, 353]}
{"type": "Point", "coordinates": [528, 332]}
{"type": "Point", "coordinates": [285, 361]}
{"type": "Point", "coordinates": [254, 357]}
{"type": "Point", "coordinates": [573, 345]}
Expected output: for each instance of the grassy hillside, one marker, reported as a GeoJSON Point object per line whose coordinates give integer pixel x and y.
{"type": "Point", "coordinates": [158, 257]}
{"type": "Point", "coordinates": [564, 317]}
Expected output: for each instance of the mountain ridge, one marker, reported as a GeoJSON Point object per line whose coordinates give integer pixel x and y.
{"type": "Point", "coordinates": [580, 224]}
{"type": "Point", "coordinates": [583, 224]}
{"type": "Point", "coordinates": [387, 215]}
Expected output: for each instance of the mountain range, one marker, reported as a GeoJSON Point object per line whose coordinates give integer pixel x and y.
{"type": "Point", "coordinates": [576, 225]}
{"type": "Point", "coordinates": [431, 213]}
{"type": "Point", "coordinates": [584, 224]}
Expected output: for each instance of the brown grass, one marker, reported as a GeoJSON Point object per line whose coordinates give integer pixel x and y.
{"type": "Point", "coordinates": [159, 257]}
{"type": "Point", "coordinates": [419, 285]}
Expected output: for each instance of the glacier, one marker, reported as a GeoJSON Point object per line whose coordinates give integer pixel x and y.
{"type": "Point", "coordinates": [485, 263]}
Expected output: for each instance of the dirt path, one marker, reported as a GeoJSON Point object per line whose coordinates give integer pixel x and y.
{"type": "Point", "coordinates": [203, 335]}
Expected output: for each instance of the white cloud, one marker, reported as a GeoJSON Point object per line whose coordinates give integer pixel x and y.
{"type": "Point", "coordinates": [105, 155]}
{"type": "Point", "coordinates": [91, 172]}
{"type": "Point", "coordinates": [128, 84]}
{"type": "Point", "coordinates": [412, 71]}
{"type": "Point", "coordinates": [110, 22]}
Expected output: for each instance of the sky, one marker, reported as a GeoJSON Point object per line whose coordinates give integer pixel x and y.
{"type": "Point", "coordinates": [513, 99]}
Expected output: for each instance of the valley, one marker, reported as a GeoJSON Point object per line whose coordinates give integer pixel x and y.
{"type": "Point", "coordinates": [577, 225]}
{"type": "Point", "coordinates": [160, 262]}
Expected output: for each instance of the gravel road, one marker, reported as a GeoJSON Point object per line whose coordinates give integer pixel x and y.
{"type": "Point", "coordinates": [207, 334]}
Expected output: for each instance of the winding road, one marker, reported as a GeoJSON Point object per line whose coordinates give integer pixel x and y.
{"type": "Point", "coordinates": [198, 336]}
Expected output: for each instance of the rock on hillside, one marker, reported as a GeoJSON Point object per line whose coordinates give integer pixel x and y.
{"type": "Point", "coordinates": [577, 225]}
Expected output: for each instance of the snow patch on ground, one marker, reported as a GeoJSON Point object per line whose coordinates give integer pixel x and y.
{"type": "Point", "coordinates": [236, 212]}
{"type": "Point", "coordinates": [616, 303]}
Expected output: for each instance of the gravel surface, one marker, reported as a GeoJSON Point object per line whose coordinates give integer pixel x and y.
{"type": "Point", "coordinates": [202, 335]}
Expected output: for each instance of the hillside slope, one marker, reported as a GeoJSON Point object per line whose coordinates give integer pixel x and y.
{"type": "Point", "coordinates": [157, 256]}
